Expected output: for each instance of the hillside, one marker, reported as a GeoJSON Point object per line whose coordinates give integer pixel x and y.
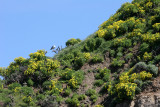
{"type": "Point", "coordinates": [116, 66]}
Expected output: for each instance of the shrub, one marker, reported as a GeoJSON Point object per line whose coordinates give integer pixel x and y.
{"type": "Point", "coordinates": [157, 58]}
{"type": "Point", "coordinates": [92, 44]}
{"type": "Point", "coordinates": [97, 59]}
{"type": "Point", "coordinates": [119, 54]}
{"type": "Point", "coordinates": [112, 53]}
{"type": "Point", "coordinates": [138, 82]}
{"type": "Point", "coordinates": [90, 92]}
{"type": "Point", "coordinates": [79, 62]}
{"type": "Point", "coordinates": [128, 10]}
{"type": "Point", "coordinates": [74, 101]}
{"type": "Point", "coordinates": [13, 86]}
{"type": "Point", "coordinates": [144, 47]}
{"type": "Point", "coordinates": [147, 56]}
{"type": "Point", "coordinates": [128, 56]}
{"type": "Point", "coordinates": [156, 27]}
{"type": "Point", "coordinates": [117, 63]}
{"type": "Point", "coordinates": [40, 97]}
{"type": "Point", "coordinates": [30, 82]}
{"type": "Point", "coordinates": [27, 91]}
{"type": "Point", "coordinates": [46, 84]}
{"type": "Point", "coordinates": [67, 75]}
{"type": "Point", "coordinates": [67, 91]}
{"type": "Point", "coordinates": [72, 42]}
{"type": "Point", "coordinates": [98, 83]}
{"type": "Point", "coordinates": [126, 90]}
{"type": "Point", "coordinates": [152, 69]}
{"type": "Point", "coordinates": [94, 98]}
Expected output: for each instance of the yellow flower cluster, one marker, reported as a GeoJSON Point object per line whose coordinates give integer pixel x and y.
{"type": "Point", "coordinates": [118, 41]}
{"type": "Point", "coordinates": [19, 60]}
{"type": "Point", "coordinates": [101, 33]}
{"type": "Point", "coordinates": [156, 26]}
{"type": "Point", "coordinates": [17, 89]}
{"type": "Point", "coordinates": [31, 68]}
{"type": "Point", "coordinates": [145, 75]}
{"type": "Point", "coordinates": [135, 32]}
{"type": "Point", "coordinates": [42, 65]}
{"type": "Point", "coordinates": [52, 64]}
{"type": "Point", "coordinates": [147, 56]}
{"type": "Point", "coordinates": [37, 55]}
{"type": "Point", "coordinates": [110, 88]}
{"type": "Point", "coordinates": [151, 38]}
{"type": "Point", "coordinates": [140, 8]}
{"type": "Point", "coordinates": [124, 78]}
{"type": "Point", "coordinates": [125, 88]}
{"type": "Point", "coordinates": [27, 99]}
{"type": "Point", "coordinates": [73, 82]}
{"type": "Point", "coordinates": [11, 68]}
{"type": "Point", "coordinates": [149, 4]}
{"type": "Point", "coordinates": [133, 77]}
{"type": "Point", "coordinates": [87, 56]}
{"type": "Point", "coordinates": [53, 86]}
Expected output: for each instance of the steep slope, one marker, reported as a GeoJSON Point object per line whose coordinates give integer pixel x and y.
{"type": "Point", "coordinates": [118, 65]}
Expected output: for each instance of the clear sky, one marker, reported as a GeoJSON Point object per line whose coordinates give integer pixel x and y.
{"type": "Point", "coordinates": [30, 25]}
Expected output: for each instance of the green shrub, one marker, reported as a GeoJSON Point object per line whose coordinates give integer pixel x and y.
{"type": "Point", "coordinates": [93, 95]}
{"type": "Point", "coordinates": [128, 10]}
{"type": "Point", "coordinates": [46, 84]}
{"type": "Point", "coordinates": [13, 86]}
{"type": "Point", "coordinates": [156, 27]}
{"type": "Point", "coordinates": [74, 101]}
{"type": "Point", "coordinates": [67, 74]}
{"type": "Point", "coordinates": [141, 66]}
{"type": "Point", "coordinates": [97, 59]}
{"type": "Point", "coordinates": [157, 58]}
{"type": "Point", "coordinates": [138, 90]}
{"type": "Point", "coordinates": [92, 44]}
{"type": "Point", "coordinates": [82, 97]}
{"type": "Point", "coordinates": [119, 54]}
{"type": "Point", "coordinates": [94, 98]}
{"type": "Point", "coordinates": [128, 56]}
{"type": "Point", "coordinates": [27, 91]}
{"type": "Point", "coordinates": [90, 92]}
{"type": "Point", "coordinates": [98, 83]}
{"type": "Point", "coordinates": [40, 97]}
{"type": "Point", "coordinates": [79, 62]}
{"type": "Point", "coordinates": [117, 63]}
{"type": "Point", "coordinates": [152, 69]}
{"type": "Point", "coordinates": [30, 82]}
{"type": "Point", "coordinates": [67, 91]}
{"type": "Point", "coordinates": [112, 53]}
{"type": "Point", "coordinates": [72, 42]}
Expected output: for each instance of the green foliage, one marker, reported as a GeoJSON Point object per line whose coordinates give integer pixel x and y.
{"type": "Point", "coordinates": [79, 62]}
{"type": "Point", "coordinates": [72, 42]}
{"type": "Point", "coordinates": [98, 83]}
{"type": "Point", "coordinates": [128, 56]}
{"type": "Point", "coordinates": [74, 101]}
{"type": "Point", "coordinates": [97, 59]}
{"type": "Point", "coordinates": [92, 44]}
{"type": "Point", "coordinates": [92, 94]}
{"type": "Point", "coordinates": [13, 86]}
{"type": "Point", "coordinates": [67, 91]}
{"type": "Point", "coordinates": [40, 97]}
{"type": "Point", "coordinates": [128, 10]}
{"type": "Point", "coordinates": [30, 82]}
{"type": "Point", "coordinates": [117, 63]}
{"type": "Point", "coordinates": [46, 84]}
{"type": "Point", "coordinates": [144, 47]}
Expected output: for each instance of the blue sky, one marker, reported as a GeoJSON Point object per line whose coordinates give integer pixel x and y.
{"type": "Point", "coordinates": [30, 25]}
